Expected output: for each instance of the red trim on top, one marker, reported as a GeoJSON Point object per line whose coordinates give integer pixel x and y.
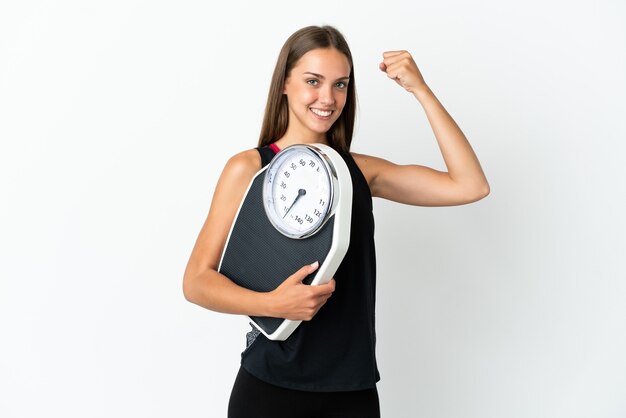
{"type": "Point", "coordinates": [274, 148]}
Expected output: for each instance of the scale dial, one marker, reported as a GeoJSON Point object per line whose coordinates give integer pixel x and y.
{"type": "Point", "coordinates": [298, 192]}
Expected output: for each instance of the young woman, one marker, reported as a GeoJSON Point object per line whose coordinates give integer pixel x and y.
{"type": "Point", "coordinates": [327, 367]}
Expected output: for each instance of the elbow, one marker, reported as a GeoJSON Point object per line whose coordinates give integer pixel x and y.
{"type": "Point", "coordinates": [188, 289]}
{"type": "Point", "coordinates": [477, 193]}
{"type": "Point", "coordinates": [197, 287]}
{"type": "Point", "coordinates": [484, 191]}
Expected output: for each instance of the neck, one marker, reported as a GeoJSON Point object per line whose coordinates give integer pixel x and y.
{"type": "Point", "coordinates": [288, 140]}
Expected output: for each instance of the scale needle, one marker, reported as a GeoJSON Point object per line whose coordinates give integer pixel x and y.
{"type": "Point", "coordinates": [301, 193]}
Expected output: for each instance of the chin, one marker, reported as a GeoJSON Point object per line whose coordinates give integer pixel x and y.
{"type": "Point", "coordinates": [322, 128]}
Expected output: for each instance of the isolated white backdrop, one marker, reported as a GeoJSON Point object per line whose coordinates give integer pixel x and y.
{"type": "Point", "coordinates": [116, 119]}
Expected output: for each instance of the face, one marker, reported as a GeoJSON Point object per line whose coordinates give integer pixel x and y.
{"type": "Point", "coordinates": [316, 90]}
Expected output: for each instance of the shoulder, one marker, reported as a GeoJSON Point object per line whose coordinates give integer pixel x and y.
{"type": "Point", "coordinates": [235, 178]}
{"type": "Point", "coordinates": [243, 165]}
{"type": "Point", "coordinates": [370, 166]}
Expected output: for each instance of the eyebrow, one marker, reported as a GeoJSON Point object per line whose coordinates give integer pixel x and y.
{"type": "Point", "coordinates": [324, 78]}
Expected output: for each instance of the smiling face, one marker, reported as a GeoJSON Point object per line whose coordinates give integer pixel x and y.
{"type": "Point", "coordinates": [316, 91]}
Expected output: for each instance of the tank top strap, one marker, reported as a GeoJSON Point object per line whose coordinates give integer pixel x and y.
{"type": "Point", "coordinates": [267, 153]}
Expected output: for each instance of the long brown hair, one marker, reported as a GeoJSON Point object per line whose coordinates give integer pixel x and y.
{"type": "Point", "coordinates": [276, 116]}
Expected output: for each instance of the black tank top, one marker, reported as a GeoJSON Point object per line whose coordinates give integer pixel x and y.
{"type": "Point", "coordinates": [335, 351]}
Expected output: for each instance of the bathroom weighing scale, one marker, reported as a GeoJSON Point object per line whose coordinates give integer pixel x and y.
{"type": "Point", "coordinates": [297, 210]}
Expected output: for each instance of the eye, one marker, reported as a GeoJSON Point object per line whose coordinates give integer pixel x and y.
{"type": "Point", "coordinates": [312, 82]}
{"type": "Point", "coordinates": [341, 85]}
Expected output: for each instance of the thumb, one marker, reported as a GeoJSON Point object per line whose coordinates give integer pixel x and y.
{"type": "Point", "coordinates": [299, 275]}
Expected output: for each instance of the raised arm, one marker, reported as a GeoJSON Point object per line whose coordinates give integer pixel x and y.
{"type": "Point", "coordinates": [464, 182]}
{"type": "Point", "coordinates": [204, 286]}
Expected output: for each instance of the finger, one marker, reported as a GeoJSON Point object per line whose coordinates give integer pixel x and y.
{"type": "Point", "coordinates": [404, 61]}
{"type": "Point", "coordinates": [396, 58]}
{"type": "Point", "coordinates": [304, 271]}
{"type": "Point", "coordinates": [392, 53]}
{"type": "Point", "coordinates": [401, 67]}
{"type": "Point", "coordinates": [393, 72]}
{"type": "Point", "coordinates": [387, 69]}
{"type": "Point", "coordinates": [311, 268]}
{"type": "Point", "coordinates": [308, 269]}
{"type": "Point", "coordinates": [324, 289]}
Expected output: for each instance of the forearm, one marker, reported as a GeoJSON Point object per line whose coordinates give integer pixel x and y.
{"type": "Point", "coordinates": [461, 161]}
{"type": "Point", "coordinates": [216, 292]}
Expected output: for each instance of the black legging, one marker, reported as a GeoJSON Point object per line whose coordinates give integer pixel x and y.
{"type": "Point", "coordinates": [253, 398]}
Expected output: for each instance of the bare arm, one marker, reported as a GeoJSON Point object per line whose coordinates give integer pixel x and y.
{"type": "Point", "coordinates": [464, 182]}
{"type": "Point", "coordinates": [204, 286]}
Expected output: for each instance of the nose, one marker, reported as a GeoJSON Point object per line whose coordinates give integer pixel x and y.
{"type": "Point", "coordinates": [327, 96]}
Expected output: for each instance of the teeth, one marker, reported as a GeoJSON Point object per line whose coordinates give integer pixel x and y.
{"type": "Point", "coordinates": [323, 113]}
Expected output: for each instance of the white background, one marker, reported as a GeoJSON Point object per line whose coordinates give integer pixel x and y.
{"type": "Point", "coordinates": [116, 119]}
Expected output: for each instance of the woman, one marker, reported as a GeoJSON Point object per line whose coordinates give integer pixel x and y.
{"type": "Point", "coordinates": [327, 367]}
